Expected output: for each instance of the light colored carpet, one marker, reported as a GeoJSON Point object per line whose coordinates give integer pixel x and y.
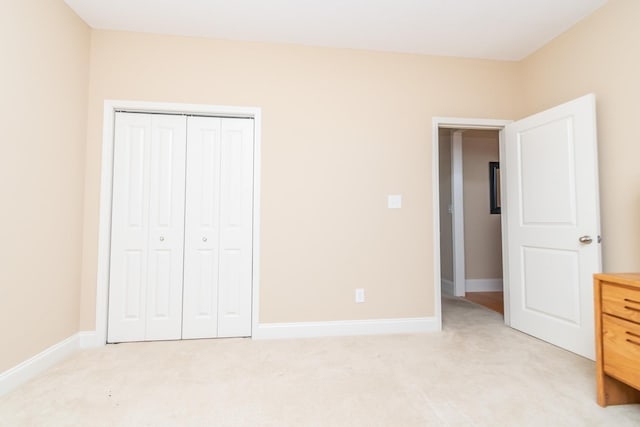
{"type": "Point", "coordinates": [477, 372]}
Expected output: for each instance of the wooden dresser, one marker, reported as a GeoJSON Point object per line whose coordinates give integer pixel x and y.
{"type": "Point", "coordinates": [617, 305]}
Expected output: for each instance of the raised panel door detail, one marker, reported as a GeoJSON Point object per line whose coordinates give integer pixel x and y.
{"type": "Point", "coordinates": [182, 236]}
{"type": "Point", "coordinates": [546, 159]}
{"type": "Point", "coordinates": [160, 292]}
{"type": "Point", "coordinates": [166, 234]}
{"type": "Point", "coordinates": [236, 232]}
{"type": "Point", "coordinates": [551, 200]}
{"type": "Point", "coordinates": [218, 224]}
{"type": "Point", "coordinates": [133, 285]}
{"type": "Point", "coordinates": [232, 177]}
{"type": "Point", "coordinates": [164, 171]}
{"type": "Point", "coordinates": [202, 234]}
{"type": "Point", "coordinates": [552, 272]}
{"type": "Point", "coordinates": [207, 267]}
{"type": "Point", "coordinates": [209, 147]}
{"type": "Point", "coordinates": [147, 234]}
{"type": "Point", "coordinates": [231, 278]}
{"type": "Point", "coordinates": [135, 170]}
{"type": "Point", "coordinates": [129, 228]}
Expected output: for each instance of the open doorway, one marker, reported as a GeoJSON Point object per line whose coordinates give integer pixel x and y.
{"type": "Point", "coordinates": [453, 282]}
{"type": "Point", "coordinates": [550, 222]}
{"type": "Point", "coordinates": [470, 223]}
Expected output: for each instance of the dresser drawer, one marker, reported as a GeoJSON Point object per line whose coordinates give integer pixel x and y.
{"type": "Point", "coordinates": [620, 301]}
{"type": "Point", "coordinates": [621, 350]}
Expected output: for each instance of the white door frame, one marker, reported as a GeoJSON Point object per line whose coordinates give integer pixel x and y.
{"type": "Point", "coordinates": [464, 123]}
{"type": "Point", "coordinates": [104, 236]}
{"type": "Point", "coordinates": [457, 214]}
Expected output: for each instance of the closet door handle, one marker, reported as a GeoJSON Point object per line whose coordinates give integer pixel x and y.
{"type": "Point", "coordinates": [162, 238]}
{"type": "Point", "coordinates": [204, 239]}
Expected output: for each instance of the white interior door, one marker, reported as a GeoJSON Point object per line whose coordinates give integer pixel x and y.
{"type": "Point", "coordinates": [145, 285]}
{"type": "Point", "coordinates": [202, 230]}
{"type": "Point", "coordinates": [218, 228]}
{"type": "Point", "coordinates": [551, 179]}
{"type": "Point", "coordinates": [236, 228]}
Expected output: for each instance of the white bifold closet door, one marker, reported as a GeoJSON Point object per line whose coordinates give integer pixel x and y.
{"type": "Point", "coordinates": [182, 215]}
{"type": "Point", "coordinates": [218, 228]}
{"type": "Point", "coordinates": [147, 223]}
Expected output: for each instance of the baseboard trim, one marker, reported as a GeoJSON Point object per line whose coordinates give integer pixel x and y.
{"type": "Point", "coordinates": [20, 374]}
{"type": "Point", "coordinates": [447, 287]}
{"type": "Point", "coordinates": [89, 339]}
{"type": "Point", "coordinates": [483, 285]}
{"type": "Point", "coordinates": [346, 328]}
{"type": "Point", "coordinates": [37, 364]}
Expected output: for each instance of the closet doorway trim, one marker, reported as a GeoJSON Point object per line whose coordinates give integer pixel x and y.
{"type": "Point", "coordinates": [106, 179]}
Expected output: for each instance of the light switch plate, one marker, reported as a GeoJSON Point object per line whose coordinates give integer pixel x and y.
{"type": "Point", "coordinates": [394, 201]}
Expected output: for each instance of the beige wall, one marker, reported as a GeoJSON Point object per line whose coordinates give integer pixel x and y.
{"type": "Point", "coordinates": [446, 219]}
{"type": "Point", "coordinates": [482, 235]}
{"type": "Point", "coordinates": [601, 54]}
{"type": "Point", "coordinates": [342, 129]}
{"type": "Point", "coordinates": [43, 105]}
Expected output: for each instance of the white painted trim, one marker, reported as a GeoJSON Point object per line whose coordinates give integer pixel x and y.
{"type": "Point", "coordinates": [505, 230]}
{"type": "Point", "coordinates": [447, 287]}
{"type": "Point", "coordinates": [435, 201]}
{"type": "Point", "coordinates": [457, 202]}
{"type": "Point", "coordinates": [458, 123]}
{"type": "Point", "coordinates": [89, 339]}
{"type": "Point", "coordinates": [483, 285]}
{"type": "Point", "coordinates": [20, 374]}
{"type": "Point", "coordinates": [257, 180]}
{"type": "Point", "coordinates": [104, 233]}
{"type": "Point", "coordinates": [347, 328]}
{"type": "Point", "coordinates": [470, 123]}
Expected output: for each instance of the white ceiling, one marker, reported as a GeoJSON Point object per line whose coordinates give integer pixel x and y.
{"type": "Point", "coordinates": [496, 29]}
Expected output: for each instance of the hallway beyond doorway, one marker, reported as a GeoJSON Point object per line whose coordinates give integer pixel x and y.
{"type": "Point", "coordinates": [492, 300]}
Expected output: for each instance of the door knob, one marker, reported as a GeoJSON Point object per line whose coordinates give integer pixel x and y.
{"type": "Point", "coordinates": [204, 239]}
{"type": "Point", "coordinates": [585, 239]}
{"type": "Point", "coordinates": [162, 238]}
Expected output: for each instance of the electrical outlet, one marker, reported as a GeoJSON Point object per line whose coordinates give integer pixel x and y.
{"type": "Point", "coordinates": [359, 295]}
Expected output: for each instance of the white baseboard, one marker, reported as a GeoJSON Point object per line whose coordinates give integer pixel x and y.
{"type": "Point", "coordinates": [447, 287]}
{"type": "Point", "coordinates": [346, 328]}
{"type": "Point", "coordinates": [89, 339]}
{"type": "Point", "coordinates": [42, 361]}
{"type": "Point", "coordinates": [37, 364]}
{"type": "Point", "coordinates": [483, 285]}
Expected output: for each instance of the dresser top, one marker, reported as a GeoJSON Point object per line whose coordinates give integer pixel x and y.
{"type": "Point", "coordinates": [629, 279]}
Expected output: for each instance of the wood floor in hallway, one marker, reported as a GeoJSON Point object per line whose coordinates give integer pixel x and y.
{"type": "Point", "coordinates": [492, 300]}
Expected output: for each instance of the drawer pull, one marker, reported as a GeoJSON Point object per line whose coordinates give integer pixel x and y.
{"type": "Point", "coordinates": [632, 308]}
{"type": "Point", "coordinates": [632, 334]}
{"type": "Point", "coordinates": [632, 301]}
{"type": "Point", "coordinates": [633, 342]}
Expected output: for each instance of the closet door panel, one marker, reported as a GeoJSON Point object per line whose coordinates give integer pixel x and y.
{"type": "Point", "coordinates": [236, 223]}
{"type": "Point", "coordinates": [145, 284]}
{"type": "Point", "coordinates": [200, 308]}
{"type": "Point", "coordinates": [166, 227]}
{"type": "Point", "coordinates": [129, 228]}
